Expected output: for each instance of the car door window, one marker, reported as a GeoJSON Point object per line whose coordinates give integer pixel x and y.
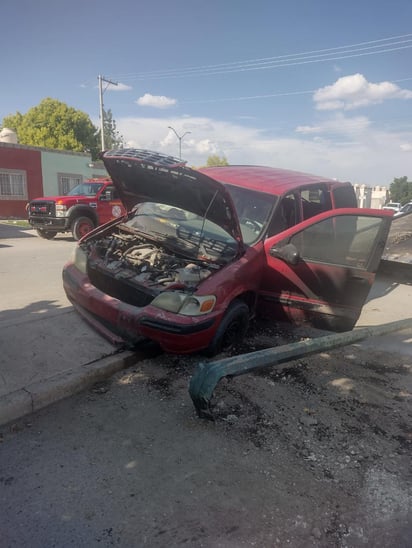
{"type": "Point", "coordinates": [287, 214]}
{"type": "Point", "coordinates": [344, 196]}
{"type": "Point", "coordinates": [109, 194]}
{"type": "Point", "coordinates": [314, 200]}
{"type": "Point", "coordinates": [298, 206]}
{"type": "Point", "coordinates": [345, 240]}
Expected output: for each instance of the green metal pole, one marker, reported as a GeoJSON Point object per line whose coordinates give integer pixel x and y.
{"type": "Point", "coordinates": [207, 375]}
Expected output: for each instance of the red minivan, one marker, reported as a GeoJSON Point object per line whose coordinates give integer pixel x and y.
{"type": "Point", "coordinates": [201, 252]}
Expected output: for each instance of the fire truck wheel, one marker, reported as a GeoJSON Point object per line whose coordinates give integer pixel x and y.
{"type": "Point", "coordinates": [46, 234]}
{"type": "Point", "coordinates": [81, 226]}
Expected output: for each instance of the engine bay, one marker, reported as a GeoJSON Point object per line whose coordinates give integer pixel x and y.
{"type": "Point", "coordinates": [126, 255]}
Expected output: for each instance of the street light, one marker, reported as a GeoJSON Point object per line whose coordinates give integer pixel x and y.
{"type": "Point", "coordinates": [180, 137]}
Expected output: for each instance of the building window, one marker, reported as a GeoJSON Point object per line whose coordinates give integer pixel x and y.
{"type": "Point", "coordinates": [13, 185]}
{"type": "Point", "coordinates": [68, 181]}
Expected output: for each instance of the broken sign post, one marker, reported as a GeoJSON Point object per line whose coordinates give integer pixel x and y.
{"type": "Point", "coordinates": [207, 375]}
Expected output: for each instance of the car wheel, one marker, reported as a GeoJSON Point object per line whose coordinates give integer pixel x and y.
{"type": "Point", "coordinates": [231, 330]}
{"type": "Point", "coordinates": [81, 226]}
{"type": "Point", "coordinates": [46, 234]}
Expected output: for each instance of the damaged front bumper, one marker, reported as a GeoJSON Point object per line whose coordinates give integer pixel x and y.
{"type": "Point", "coordinates": [122, 323]}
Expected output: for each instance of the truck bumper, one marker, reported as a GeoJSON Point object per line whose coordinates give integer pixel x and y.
{"type": "Point", "coordinates": [50, 223]}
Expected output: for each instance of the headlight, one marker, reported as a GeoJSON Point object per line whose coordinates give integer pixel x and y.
{"type": "Point", "coordinates": [181, 303]}
{"type": "Point", "coordinates": [79, 258]}
{"type": "Point", "coordinates": [61, 210]}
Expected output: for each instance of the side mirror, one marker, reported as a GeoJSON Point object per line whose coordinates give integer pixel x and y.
{"type": "Point", "coordinates": [106, 196]}
{"type": "Point", "coordinates": [287, 253]}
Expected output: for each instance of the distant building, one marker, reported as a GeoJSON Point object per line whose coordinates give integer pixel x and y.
{"type": "Point", "coordinates": [30, 172]}
{"type": "Point", "coordinates": [371, 197]}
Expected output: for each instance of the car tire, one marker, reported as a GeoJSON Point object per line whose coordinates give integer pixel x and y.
{"type": "Point", "coordinates": [231, 330]}
{"type": "Point", "coordinates": [46, 234]}
{"type": "Point", "coordinates": [81, 226]}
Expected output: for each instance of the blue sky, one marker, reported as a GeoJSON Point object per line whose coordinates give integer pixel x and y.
{"type": "Point", "coordinates": [318, 86]}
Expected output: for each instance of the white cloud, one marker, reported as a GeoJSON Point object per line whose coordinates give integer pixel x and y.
{"type": "Point", "coordinates": [358, 153]}
{"type": "Point", "coordinates": [338, 125]}
{"type": "Point", "coordinates": [406, 147]}
{"type": "Point", "coordinates": [156, 101]}
{"type": "Point", "coordinates": [309, 129]}
{"type": "Point", "coordinates": [350, 92]}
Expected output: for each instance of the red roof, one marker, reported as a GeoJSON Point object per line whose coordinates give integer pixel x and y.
{"type": "Point", "coordinates": [264, 179]}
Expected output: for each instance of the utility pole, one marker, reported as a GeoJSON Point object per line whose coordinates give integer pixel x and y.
{"type": "Point", "coordinates": [101, 91]}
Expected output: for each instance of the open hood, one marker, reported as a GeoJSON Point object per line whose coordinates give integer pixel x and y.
{"type": "Point", "coordinates": [146, 176]}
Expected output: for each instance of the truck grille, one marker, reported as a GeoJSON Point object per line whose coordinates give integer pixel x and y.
{"type": "Point", "coordinates": [42, 208]}
{"type": "Point", "coordinates": [119, 289]}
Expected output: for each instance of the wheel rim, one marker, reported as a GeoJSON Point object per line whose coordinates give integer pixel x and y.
{"type": "Point", "coordinates": [84, 228]}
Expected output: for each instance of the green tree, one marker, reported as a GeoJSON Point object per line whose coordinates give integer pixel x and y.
{"type": "Point", "coordinates": [53, 124]}
{"type": "Point", "coordinates": [215, 160]}
{"type": "Point", "coordinates": [401, 190]}
{"type": "Point", "coordinates": [112, 137]}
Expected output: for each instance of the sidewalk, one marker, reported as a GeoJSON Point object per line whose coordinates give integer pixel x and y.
{"type": "Point", "coordinates": [45, 358]}
{"type": "Point", "coordinates": [47, 352]}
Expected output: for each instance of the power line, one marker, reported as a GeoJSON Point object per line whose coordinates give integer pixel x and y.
{"type": "Point", "coordinates": [282, 64]}
{"type": "Point", "coordinates": [383, 45]}
{"type": "Point", "coordinates": [265, 96]}
{"type": "Point", "coordinates": [250, 97]}
{"type": "Point", "coordinates": [267, 59]}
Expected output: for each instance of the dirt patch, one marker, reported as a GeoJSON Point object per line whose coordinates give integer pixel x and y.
{"type": "Point", "coordinates": [340, 419]}
{"type": "Point", "coordinates": [399, 243]}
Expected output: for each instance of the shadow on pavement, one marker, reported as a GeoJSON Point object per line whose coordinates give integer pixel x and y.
{"type": "Point", "coordinates": [386, 282]}
{"type": "Point", "coordinates": [33, 311]}
{"type": "Point", "coordinates": [15, 231]}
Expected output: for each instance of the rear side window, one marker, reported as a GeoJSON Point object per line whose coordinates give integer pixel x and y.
{"type": "Point", "coordinates": [315, 200]}
{"type": "Point", "coordinates": [344, 196]}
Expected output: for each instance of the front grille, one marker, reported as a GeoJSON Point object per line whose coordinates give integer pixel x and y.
{"type": "Point", "coordinates": [42, 208]}
{"type": "Point", "coordinates": [119, 289]}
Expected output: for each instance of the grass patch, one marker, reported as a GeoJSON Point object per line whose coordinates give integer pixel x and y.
{"type": "Point", "coordinates": [16, 222]}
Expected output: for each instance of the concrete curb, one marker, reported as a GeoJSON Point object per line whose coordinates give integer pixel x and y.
{"type": "Point", "coordinates": [40, 394]}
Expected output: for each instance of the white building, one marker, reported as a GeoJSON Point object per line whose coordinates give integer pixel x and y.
{"type": "Point", "coordinates": [375, 197]}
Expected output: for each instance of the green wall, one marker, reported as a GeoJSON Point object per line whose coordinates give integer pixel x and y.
{"type": "Point", "coordinates": [70, 163]}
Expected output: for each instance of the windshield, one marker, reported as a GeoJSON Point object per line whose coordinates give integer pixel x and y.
{"type": "Point", "coordinates": [253, 210]}
{"type": "Point", "coordinates": [183, 231]}
{"type": "Point", "coordinates": [85, 189]}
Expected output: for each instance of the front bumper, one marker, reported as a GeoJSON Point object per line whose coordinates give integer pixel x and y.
{"type": "Point", "coordinates": [123, 323]}
{"type": "Point", "coordinates": [57, 224]}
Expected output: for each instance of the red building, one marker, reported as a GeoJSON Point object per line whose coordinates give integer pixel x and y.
{"type": "Point", "coordinates": [31, 172]}
{"type": "Point", "coordinates": [20, 170]}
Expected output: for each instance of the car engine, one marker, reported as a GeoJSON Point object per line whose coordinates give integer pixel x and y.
{"type": "Point", "coordinates": [134, 258]}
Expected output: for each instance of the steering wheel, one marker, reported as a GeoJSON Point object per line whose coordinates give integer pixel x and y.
{"type": "Point", "coordinates": [253, 225]}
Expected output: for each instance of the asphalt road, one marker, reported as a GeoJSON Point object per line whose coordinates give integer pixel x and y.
{"type": "Point", "coordinates": [30, 270]}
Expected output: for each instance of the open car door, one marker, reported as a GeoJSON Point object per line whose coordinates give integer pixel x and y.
{"type": "Point", "coordinates": [321, 270]}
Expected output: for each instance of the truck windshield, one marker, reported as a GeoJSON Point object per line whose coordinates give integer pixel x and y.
{"type": "Point", "coordinates": [85, 189]}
